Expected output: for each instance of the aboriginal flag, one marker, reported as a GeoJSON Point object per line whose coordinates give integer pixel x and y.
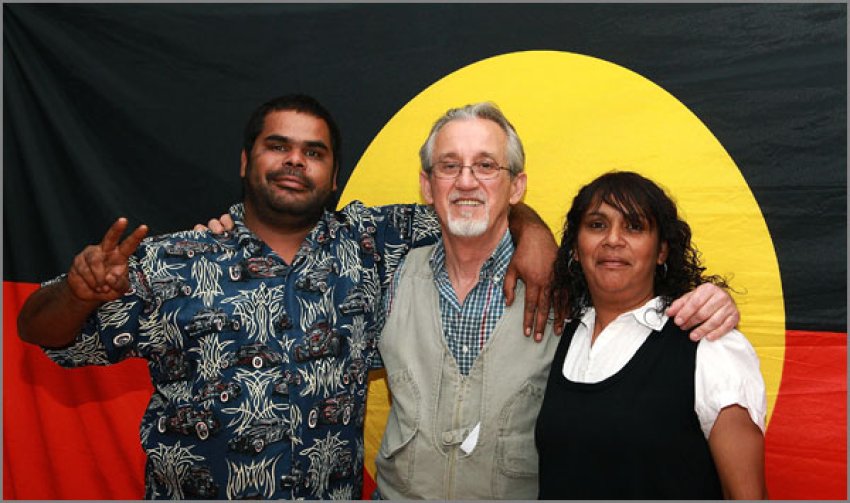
{"type": "Point", "coordinates": [137, 111]}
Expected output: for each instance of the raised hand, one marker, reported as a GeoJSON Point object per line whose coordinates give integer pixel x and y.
{"type": "Point", "coordinates": [99, 272]}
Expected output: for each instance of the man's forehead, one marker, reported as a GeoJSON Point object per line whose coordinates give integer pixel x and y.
{"type": "Point", "coordinates": [293, 119]}
{"type": "Point", "coordinates": [477, 132]}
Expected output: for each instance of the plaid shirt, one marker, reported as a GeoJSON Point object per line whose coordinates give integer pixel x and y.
{"type": "Point", "coordinates": [467, 327]}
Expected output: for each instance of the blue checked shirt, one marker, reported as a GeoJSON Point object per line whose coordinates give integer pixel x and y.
{"type": "Point", "coordinates": [467, 327]}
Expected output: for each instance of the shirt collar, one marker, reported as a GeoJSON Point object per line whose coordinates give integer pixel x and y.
{"type": "Point", "coordinates": [494, 267]}
{"type": "Point", "coordinates": [650, 315]}
{"type": "Point", "coordinates": [237, 212]}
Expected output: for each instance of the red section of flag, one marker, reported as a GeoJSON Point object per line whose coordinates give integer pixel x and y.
{"type": "Point", "coordinates": [369, 485]}
{"type": "Point", "coordinates": [73, 433]}
{"type": "Point", "coordinates": [68, 433]}
{"type": "Point", "coordinates": [806, 443]}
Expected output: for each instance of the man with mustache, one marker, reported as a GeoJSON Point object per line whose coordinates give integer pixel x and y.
{"type": "Point", "coordinates": [466, 389]}
{"type": "Point", "coordinates": [258, 341]}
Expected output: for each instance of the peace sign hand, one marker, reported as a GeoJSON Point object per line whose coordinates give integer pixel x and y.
{"type": "Point", "coordinates": [99, 272]}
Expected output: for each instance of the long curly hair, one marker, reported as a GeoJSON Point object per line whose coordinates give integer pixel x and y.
{"type": "Point", "coordinates": [639, 200]}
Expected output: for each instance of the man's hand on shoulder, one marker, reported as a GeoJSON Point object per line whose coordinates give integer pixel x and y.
{"type": "Point", "coordinates": [217, 225]}
{"type": "Point", "coordinates": [533, 262]}
{"type": "Point", "coordinates": [708, 309]}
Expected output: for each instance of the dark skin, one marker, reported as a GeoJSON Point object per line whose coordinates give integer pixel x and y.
{"type": "Point", "coordinates": [537, 298]}
{"type": "Point", "coordinates": [53, 315]}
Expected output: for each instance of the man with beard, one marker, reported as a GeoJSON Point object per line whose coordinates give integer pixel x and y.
{"type": "Point", "coordinates": [258, 340]}
{"type": "Point", "coordinates": [466, 389]}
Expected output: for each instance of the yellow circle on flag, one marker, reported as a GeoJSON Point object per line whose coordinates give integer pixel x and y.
{"type": "Point", "coordinates": [579, 117]}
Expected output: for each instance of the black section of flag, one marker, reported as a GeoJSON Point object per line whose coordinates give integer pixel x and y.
{"type": "Point", "coordinates": [137, 110]}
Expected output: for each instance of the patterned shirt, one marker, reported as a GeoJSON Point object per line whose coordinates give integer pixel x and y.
{"type": "Point", "coordinates": [467, 327]}
{"type": "Point", "coordinates": [258, 366]}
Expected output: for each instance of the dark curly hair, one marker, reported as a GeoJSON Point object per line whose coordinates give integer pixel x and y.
{"type": "Point", "coordinates": [639, 200]}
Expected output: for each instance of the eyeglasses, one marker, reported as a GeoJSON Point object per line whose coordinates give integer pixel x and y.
{"type": "Point", "coordinates": [483, 170]}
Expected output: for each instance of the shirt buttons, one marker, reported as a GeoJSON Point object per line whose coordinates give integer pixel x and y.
{"type": "Point", "coordinates": [465, 348]}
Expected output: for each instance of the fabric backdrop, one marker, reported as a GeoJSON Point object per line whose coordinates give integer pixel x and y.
{"type": "Point", "coordinates": [137, 110]}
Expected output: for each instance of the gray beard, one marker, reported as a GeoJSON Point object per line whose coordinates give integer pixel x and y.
{"type": "Point", "coordinates": [467, 227]}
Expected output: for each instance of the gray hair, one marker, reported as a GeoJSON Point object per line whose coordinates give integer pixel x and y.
{"type": "Point", "coordinates": [484, 110]}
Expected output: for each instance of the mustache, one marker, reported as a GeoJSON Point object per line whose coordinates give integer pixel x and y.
{"type": "Point", "coordinates": [477, 194]}
{"type": "Point", "coordinates": [291, 172]}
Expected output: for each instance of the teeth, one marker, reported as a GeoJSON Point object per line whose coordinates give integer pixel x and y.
{"type": "Point", "coordinates": [468, 203]}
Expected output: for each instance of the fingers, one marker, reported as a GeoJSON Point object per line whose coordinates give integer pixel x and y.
{"type": "Point", "coordinates": [683, 309]}
{"type": "Point", "coordinates": [561, 314]}
{"type": "Point", "coordinates": [543, 303]}
{"type": "Point", "coordinates": [532, 296]}
{"type": "Point", "coordinates": [718, 325]}
{"type": "Point", "coordinates": [708, 305]}
{"type": "Point", "coordinates": [131, 242]}
{"type": "Point", "coordinates": [227, 221]}
{"type": "Point", "coordinates": [200, 228]}
{"type": "Point", "coordinates": [215, 226]}
{"type": "Point", "coordinates": [113, 234]}
{"type": "Point", "coordinates": [118, 283]}
{"type": "Point", "coordinates": [509, 286]}
{"type": "Point", "coordinates": [82, 272]}
{"type": "Point", "coordinates": [87, 276]}
{"type": "Point", "coordinates": [99, 272]}
{"type": "Point", "coordinates": [221, 224]}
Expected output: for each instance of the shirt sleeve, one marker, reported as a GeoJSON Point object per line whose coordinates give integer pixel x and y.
{"type": "Point", "coordinates": [727, 373]}
{"type": "Point", "coordinates": [397, 229]}
{"type": "Point", "coordinates": [108, 336]}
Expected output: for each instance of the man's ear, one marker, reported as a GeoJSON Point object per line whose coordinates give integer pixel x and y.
{"type": "Point", "coordinates": [244, 162]}
{"type": "Point", "coordinates": [425, 186]}
{"type": "Point", "coordinates": [336, 172]}
{"type": "Point", "coordinates": [518, 185]}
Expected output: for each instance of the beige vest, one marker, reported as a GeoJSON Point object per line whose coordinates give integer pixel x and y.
{"type": "Point", "coordinates": [434, 407]}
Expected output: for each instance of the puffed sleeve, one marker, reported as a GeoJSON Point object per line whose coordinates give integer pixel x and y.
{"type": "Point", "coordinates": [727, 373]}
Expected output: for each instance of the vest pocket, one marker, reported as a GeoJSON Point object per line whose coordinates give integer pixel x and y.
{"type": "Point", "coordinates": [516, 463]}
{"type": "Point", "coordinates": [516, 468]}
{"type": "Point", "coordinates": [395, 457]}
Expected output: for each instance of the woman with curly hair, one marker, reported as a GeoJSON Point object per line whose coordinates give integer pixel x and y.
{"type": "Point", "coordinates": [634, 409]}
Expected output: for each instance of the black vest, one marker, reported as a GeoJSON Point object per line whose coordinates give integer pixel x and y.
{"type": "Point", "coordinates": [634, 435]}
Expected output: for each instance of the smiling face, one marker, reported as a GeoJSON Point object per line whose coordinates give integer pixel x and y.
{"type": "Point", "coordinates": [290, 170]}
{"type": "Point", "coordinates": [618, 257]}
{"type": "Point", "coordinates": [466, 206]}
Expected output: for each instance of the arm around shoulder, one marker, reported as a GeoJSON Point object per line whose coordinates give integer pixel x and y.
{"type": "Point", "coordinates": [533, 262]}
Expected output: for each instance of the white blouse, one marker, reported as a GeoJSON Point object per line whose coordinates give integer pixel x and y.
{"type": "Point", "coordinates": [727, 370]}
